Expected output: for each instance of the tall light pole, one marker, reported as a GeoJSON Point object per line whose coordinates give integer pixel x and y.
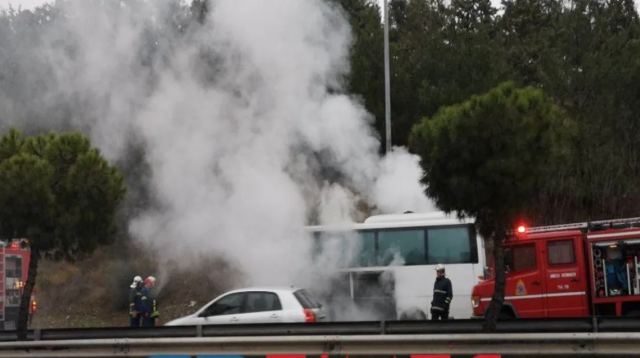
{"type": "Point", "coordinates": [387, 88]}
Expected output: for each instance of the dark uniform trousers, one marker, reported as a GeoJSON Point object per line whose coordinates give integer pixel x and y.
{"type": "Point", "coordinates": [442, 295]}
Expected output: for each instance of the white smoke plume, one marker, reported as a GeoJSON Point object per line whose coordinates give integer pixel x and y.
{"type": "Point", "coordinates": [243, 121]}
{"type": "Point", "coordinates": [398, 187]}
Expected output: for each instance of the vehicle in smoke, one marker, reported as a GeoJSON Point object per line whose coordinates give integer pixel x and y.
{"type": "Point", "coordinates": [569, 270]}
{"type": "Point", "coordinates": [256, 305]}
{"type": "Point", "coordinates": [386, 265]}
{"type": "Point", "coordinates": [14, 268]}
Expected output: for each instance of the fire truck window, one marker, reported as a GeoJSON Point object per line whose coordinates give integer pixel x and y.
{"type": "Point", "coordinates": [13, 266]}
{"type": "Point", "coordinates": [560, 252]}
{"type": "Point", "coordinates": [522, 258]}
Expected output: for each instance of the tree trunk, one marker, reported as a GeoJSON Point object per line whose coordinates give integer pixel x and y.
{"type": "Point", "coordinates": [25, 300]}
{"type": "Point", "coordinates": [493, 311]}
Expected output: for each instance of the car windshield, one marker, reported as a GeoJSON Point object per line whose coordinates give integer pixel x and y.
{"type": "Point", "coordinates": [305, 299]}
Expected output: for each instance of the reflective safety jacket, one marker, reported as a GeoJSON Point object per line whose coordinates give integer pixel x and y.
{"type": "Point", "coordinates": [442, 294]}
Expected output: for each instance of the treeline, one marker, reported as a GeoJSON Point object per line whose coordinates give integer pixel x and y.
{"type": "Point", "coordinates": [585, 54]}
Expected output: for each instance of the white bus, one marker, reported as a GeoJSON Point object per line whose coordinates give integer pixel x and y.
{"type": "Point", "coordinates": [387, 264]}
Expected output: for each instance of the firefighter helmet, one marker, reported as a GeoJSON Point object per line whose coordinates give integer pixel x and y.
{"type": "Point", "coordinates": [136, 281]}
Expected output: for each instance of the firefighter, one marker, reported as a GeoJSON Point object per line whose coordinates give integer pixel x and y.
{"type": "Point", "coordinates": [149, 304]}
{"type": "Point", "coordinates": [135, 302]}
{"type": "Point", "coordinates": [442, 295]}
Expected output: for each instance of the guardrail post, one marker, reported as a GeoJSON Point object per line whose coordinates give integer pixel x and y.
{"type": "Point", "coordinates": [37, 334]}
{"type": "Point", "coordinates": [199, 331]}
{"type": "Point", "coordinates": [594, 324]}
{"type": "Point", "coordinates": [383, 327]}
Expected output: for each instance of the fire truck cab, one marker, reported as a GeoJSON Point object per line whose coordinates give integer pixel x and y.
{"type": "Point", "coordinates": [572, 270]}
{"type": "Point", "coordinates": [14, 268]}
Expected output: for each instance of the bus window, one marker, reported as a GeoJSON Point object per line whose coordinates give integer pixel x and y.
{"type": "Point", "coordinates": [449, 245]}
{"type": "Point", "coordinates": [409, 244]}
{"type": "Point", "coordinates": [339, 246]}
{"type": "Point", "coordinates": [317, 246]}
{"type": "Point", "coordinates": [366, 249]}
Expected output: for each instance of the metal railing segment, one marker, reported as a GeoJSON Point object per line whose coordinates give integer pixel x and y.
{"type": "Point", "coordinates": [518, 338]}
{"type": "Point", "coordinates": [504, 344]}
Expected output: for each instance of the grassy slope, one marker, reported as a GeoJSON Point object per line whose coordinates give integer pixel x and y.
{"type": "Point", "coordinates": [94, 292]}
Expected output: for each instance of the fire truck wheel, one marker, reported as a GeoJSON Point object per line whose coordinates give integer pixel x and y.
{"type": "Point", "coordinates": [506, 313]}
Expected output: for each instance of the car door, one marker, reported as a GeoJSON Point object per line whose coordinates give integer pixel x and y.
{"type": "Point", "coordinates": [224, 310]}
{"type": "Point", "coordinates": [261, 307]}
{"type": "Point", "coordinates": [566, 289]}
{"type": "Point", "coordinates": [524, 287]}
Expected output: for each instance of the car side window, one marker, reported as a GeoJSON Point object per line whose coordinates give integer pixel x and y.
{"type": "Point", "coordinates": [229, 304]}
{"type": "Point", "coordinates": [262, 301]}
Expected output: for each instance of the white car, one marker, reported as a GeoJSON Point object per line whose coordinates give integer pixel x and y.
{"type": "Point", "coordinates": [256, 305]}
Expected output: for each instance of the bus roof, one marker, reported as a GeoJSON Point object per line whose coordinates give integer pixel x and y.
{"type": "Point", "coordinates": [435, 218]}
{"type": "Point", "coordinates": [421, 217]}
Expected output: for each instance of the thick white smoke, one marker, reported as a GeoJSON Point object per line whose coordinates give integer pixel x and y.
{"type": "Point", "coordinates": [398, 187]}
{"type": "Point", "coordinates": [245, 127]}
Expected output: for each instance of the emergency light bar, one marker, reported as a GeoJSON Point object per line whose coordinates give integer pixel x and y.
{"type": "Point", "coordinates": [589, 225]}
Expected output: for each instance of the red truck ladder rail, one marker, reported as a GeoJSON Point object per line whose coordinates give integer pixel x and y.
{"type": "Point", "coordinates": [586, 225]}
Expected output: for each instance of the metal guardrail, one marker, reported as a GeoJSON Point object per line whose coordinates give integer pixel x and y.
{"type": "Point", "coordinates": [506, 345]}
{"type": "Point", "coordinates": [518, 338]}
{"type": "Point", "coordinates": [577, 325]}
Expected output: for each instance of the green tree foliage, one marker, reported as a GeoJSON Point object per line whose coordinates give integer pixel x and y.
{"type": "Point", "coordinates": [59, 193]}
{"type": "Point", "coordinates": [440, 54]}
{"type": "Point", "coordinates": [583, 53]}
{"type": "Point", "coordinates": [489, 157]}
{"type": "Point", "coordinates": [603, 43]}
{"type": "Point", "coordinates": [529, 33]}
{"type": "Point", "coordinates": [416, 49]}
{"type": "Point", "coordinates": [366, 79]}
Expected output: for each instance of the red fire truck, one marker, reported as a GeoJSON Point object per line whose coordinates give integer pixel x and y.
{"type": "Point", "coordinates": [14, 267]}
{"type": "Point", "coordinates": [572, 270]}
